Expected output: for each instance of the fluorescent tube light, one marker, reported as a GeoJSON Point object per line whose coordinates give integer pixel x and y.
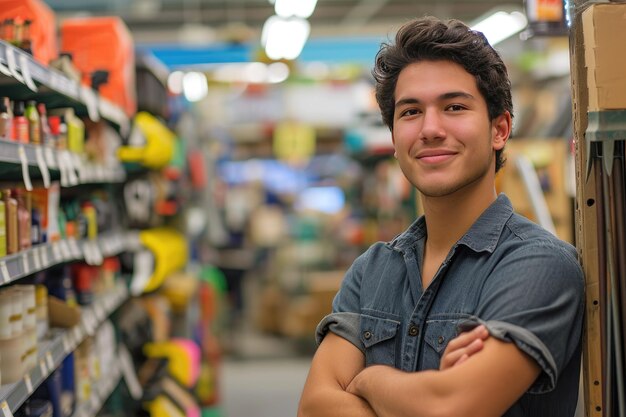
{"type": "Point", "coordinates": [501, 25]}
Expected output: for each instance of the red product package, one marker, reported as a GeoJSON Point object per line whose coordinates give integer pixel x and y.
{"type": "Point", "coordinates": [42, 27]}
{"type": "Point", "coordinates": [103, 43]}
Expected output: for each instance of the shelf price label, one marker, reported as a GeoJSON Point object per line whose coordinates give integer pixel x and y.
{"type": "Point", "coordinates": [49, 360]}
{"type": "Point", "coordinates": [12, 64]}
{"type": "Point", "coordinates": [56, 252]}
{"type": "Point", "coordinates": [4, 272]}
{"type": "Point", "coordinates": [65, 250]}
{"type": "Point", "coordinates": [43, 252]}
{"type": "Point", "coordinates": [67, 343]}
{"type": "Point", "coordinates": [90, 99]}
{"type": "Point", "coordinates": [6, 410]}
{"type": "Point", "coordinates": [4, 70]}
{"type": "Point", "coordinates": [25, 264]}
{"type": "Point", "coordinates": [129, 374]}
{"type": "Point", "coordinates": [29, 384]}
{"type": "Point", "coordinates": [43, 367]}
{"type": "Point", "coordinates": [28, 80]}
{"type": "Point", "coordinates": [76, 252]}
{"type": "Point", "coordinates": [43, 167]}
{"type": "Point", "coordinates": [25, 172]}
{"type": "Point", "coordinates": [51, 161]}
{"type": "Point", "coordinates": [78, 335]}
{"type": "Point", "coordinates": [36, 259]}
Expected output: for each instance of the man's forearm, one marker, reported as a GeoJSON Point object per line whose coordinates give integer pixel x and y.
{"type": "Point", "coordinates": [394, 393]}
{"type": "Point", "coordinates": [333, 402]}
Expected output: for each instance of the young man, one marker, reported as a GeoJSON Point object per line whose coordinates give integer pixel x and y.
{"type": "Point", "coordinates": [398, 342]}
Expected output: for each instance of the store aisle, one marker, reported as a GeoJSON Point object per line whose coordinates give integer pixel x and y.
{"type": "Point", "coordinates": [263, 387]}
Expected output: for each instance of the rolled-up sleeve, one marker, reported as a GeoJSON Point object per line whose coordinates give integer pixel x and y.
{"type": "Point", "coordinates": [534, 298]}
{"type": "Point", "coordinates": [344, 321]}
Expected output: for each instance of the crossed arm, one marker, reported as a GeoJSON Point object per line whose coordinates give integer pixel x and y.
{"type": "Point", "coordinates": [475, 379]}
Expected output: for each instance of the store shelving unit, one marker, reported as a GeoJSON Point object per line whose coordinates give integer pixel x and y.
{"type": "Point", "coordinates": [35, 80]}
{"type": "Point", "coordinates": [100, 393]}
{"type": "Point", "coordinates": [24, 78]}
{"type": "Point", "coordinates": [41, 257]}
{"type": "Point", "coordinates": [63, 342]}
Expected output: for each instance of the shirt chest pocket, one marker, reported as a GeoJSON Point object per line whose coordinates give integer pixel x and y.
{"type": "Point", "coordinates": [380, 339]}
{"type": "Point", "coordinates": [437, 336]}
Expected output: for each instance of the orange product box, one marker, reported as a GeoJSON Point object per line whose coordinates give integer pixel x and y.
{"type": "Point", "coordinates": [103, 43]}
{"type": "Point", "coordinates": [42, 28]}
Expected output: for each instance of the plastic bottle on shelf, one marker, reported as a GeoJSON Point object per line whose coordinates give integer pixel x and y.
{"type": "Point", "coordinates": [6, 311]}
{"type": "Point", "coordinates": [12, 234]}
{"type": "Point", "coordinates": [75, 132]}
{"type": "Point", "coordinates": [34, 127]}
{"type": "Point", "coordinates": [9, 30]}
{"type": "Point", "coordinates": [27, 43]}
{"type": "Point", "coordinates": [41, 301]}
{"type": "Point", "coordinates": [30, 324]}
{"type": "Point", "coordinates": [47, 138]}
{"type": "Point", "coordinates": [6, 118]}
{"type": "Point", "coordinates": [18, 32]}
{"type": "Point", "coordinates": [3, 228]}
{"type": "Point", "coordinates": [24, 220]}
{"type": "Point", "coordinates": [20, 124]}
{"type": "Point", "coordinates": [35, 226]}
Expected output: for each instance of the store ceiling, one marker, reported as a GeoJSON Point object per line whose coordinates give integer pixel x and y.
{"type": "Point", "coordinates": [196, 21]}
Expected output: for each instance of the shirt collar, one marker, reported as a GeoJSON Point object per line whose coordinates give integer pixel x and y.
{"type": "Point", "coordinates": [482, 236]}
{"type": "Point", "coordinates": [486, 230]}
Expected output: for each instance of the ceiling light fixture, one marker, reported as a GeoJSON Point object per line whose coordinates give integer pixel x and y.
{"type": "Point", "coordinates": [501, 25]}
{"type": "Point", "coordinates": [284, 38]}
{"type": "Point", "coordinates": [195, 86]}
{"type": "Point", "coordinates": [298, 8]}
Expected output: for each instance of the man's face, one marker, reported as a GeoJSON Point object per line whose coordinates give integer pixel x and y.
{"type": "Point", "coordinates": [443, 138]}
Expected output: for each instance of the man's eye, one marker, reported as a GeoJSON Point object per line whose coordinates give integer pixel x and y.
{"type": "Point", "coordinates": [409, 112]}
{"type": "Point", "coordinates": [456, 107]}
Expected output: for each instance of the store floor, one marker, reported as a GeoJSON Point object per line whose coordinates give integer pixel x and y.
{"type": "Point", "coordinates": [262, 376]}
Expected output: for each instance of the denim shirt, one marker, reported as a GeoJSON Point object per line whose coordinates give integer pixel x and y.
{"type": "Point", "coordinates": [506, 272]}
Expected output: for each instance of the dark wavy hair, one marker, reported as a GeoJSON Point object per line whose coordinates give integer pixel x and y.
{"type": "Point", "coordinates": [432, 39]}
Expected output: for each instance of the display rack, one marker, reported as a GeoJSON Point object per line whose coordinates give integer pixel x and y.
{"type": "Point", "coordinates": [24, 78]}
{"type": "Point", "coordinates": [41, 257]}
{"type": "Point", "coordinates": [54, 88]}
{"type": "Point", "coordinates": [100, 393]}
{"type": "Point", "coordinates": [63, 342]}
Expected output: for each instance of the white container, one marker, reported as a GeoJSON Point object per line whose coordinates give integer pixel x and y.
{"type": "Point", "coordinates": [6, 311]}
{"type": "Point", "coordinates": [17, 312]}
{"type": "Point", "coordinates": [11, 366]}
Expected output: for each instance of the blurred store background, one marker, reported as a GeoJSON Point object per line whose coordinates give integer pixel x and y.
{"type": "Point", "coordinates": [254, 167]}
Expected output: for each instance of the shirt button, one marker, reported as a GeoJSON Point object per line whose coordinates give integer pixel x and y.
{"type": "Point", "coordinates": [440, 340]}
{"type": "Point", "coordinates": [413, 330]}
{"type": "Point", "coordinates": [367, 335]}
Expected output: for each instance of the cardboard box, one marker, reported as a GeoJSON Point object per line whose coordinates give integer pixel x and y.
{"type": "Point", "coordinates": [604, 28]}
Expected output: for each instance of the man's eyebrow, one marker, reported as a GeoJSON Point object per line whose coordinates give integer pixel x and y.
{"type": "Point", "coordinates": [444, 96]}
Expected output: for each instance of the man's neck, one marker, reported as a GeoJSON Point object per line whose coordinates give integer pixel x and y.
{"type": "Point", "coordinates": [449, 218]}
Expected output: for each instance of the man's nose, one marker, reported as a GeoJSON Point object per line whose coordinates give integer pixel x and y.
{"type": "Point", "coordinates": [432, 125]}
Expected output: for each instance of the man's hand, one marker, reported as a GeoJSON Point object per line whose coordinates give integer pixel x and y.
{"type": "Point", "coordinates": [463, 346]}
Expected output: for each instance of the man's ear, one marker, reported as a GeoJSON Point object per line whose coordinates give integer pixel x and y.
{"type": "Point", "coordinates": [501, 130]}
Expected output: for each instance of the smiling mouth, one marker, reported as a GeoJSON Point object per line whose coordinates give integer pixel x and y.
{"type": "Point", "coordinates": [436, 158]}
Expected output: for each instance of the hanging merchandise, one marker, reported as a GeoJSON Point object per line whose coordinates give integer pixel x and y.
{"type": "Point", "coordinates": [168, 248]}
{"type": "Point", "coordinates": [183, 359]}
{"type": "Point", "coordinates": [156, 150]}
